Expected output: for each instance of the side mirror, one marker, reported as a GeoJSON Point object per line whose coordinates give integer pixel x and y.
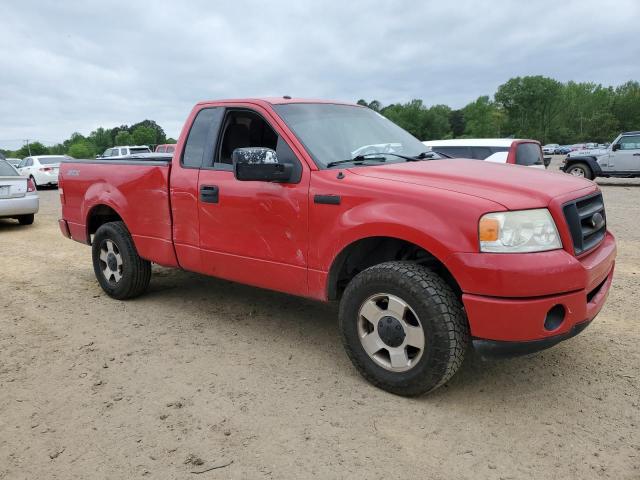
{"type": "Point", "coordinates": [259, 164]}
{"type": "Point", "coordinates": [615, 146]}
{"type": "Point", "coordinates": [546, 161]}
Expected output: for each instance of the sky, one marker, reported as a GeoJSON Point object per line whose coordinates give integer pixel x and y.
{"type": "Point", "coordinates": [68, 66]}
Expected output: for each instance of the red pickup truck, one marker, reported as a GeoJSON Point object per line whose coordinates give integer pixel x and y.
{"type": "Point", "coordinates": [334, 202]}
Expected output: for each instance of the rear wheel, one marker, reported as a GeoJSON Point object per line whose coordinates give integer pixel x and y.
{"type": "Point", "coordinates": [121, 272]}
{"type": "Point", "coordinates": [403, 327]}
{"type": "Point", "coordinates": [26, 219]}
{"type": "Point", "coordinates": [580, 170]}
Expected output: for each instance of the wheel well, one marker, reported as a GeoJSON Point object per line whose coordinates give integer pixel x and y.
{"type": "Point", "coordinates": [371, 251]}
{"type": "Point", "coordinates": [98, 216]}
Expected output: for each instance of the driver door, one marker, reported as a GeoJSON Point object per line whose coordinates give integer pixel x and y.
{"type": "Point", "coordinates": [627, 158]}
{"type": "Point", "coordinates": [253, 232]}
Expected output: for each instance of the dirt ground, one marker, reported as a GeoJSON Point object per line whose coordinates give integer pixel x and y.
{"type": "Point", "coordinates": [201, 372]}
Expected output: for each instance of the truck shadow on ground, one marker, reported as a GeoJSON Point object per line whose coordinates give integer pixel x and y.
{"type": "Point", "coordinates": [304, 324]}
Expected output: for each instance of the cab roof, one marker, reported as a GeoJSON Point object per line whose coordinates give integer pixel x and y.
{"type": "Point", "coordinates": [278, 101]}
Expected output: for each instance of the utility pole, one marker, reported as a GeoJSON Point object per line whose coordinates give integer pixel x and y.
{"type": "Point", "coordinates": [28, 146]}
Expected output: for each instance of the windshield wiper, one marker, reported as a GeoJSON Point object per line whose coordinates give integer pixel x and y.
{"type": "Point", "coordinates": [357, 159]}
{"type": "Point", "coordinates": [369, 156]}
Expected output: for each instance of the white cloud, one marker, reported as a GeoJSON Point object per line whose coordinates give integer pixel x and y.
{"type": "Point", "coordinates": [73, 66]}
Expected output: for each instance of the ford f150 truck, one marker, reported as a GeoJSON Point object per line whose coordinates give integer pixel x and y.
{"type": "Point", "coordinates": [334, 202]}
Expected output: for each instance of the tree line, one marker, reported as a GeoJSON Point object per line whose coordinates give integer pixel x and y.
{"type": "Point", "coordinates": [147, 132]}
{"type": "Point", "coordinates": [534, 107]}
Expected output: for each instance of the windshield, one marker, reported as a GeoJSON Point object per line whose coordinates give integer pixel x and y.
{"type": "Point", "coordinates": [7, 170]}
{"type": "Point", "coordinates": [134, 150]}
{"type": "Point", "coordinates": [331, 133]}
{"type": "Point", "coordinates": [50, 160]}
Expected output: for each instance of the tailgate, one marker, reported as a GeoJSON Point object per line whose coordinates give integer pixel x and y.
{"type": "Point", "coordinates": [13, 187]}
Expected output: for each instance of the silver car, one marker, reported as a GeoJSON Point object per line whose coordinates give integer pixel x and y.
{"type": "Point", "coordinates": [18, 195]}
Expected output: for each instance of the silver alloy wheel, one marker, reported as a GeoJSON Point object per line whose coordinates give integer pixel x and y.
{"type": "Point", "coordinates": [577, 172]}
{"type": "Point", "coordinates": [390, 332]}
{"type": "Point", "coordinates": [110, 261]}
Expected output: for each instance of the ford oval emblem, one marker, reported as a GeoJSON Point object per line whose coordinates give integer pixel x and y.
{"type": "Point", "coordinates": [597, 220]}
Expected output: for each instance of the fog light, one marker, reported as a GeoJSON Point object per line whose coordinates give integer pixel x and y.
{"type": "Point", "coordinates": [554, 318]}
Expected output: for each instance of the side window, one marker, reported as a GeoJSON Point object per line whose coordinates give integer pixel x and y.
{"type": "Point", "coordinates": [455, 152]}
{"type": "Point", "coordinates": [202, 137]}
{"type": "Point", "coordinates": [171, 149]}
{"type": "Point", "coordinates": [529, 154]}
{"type": "Point", "coordinates": [480, 153]}
{"type": "Point", "coordinates": [161, 149]}
{"type": "Point", "coordinates": [29, 162]}
{"type": "Point", "coordinates": [243, 128]}
{"type": "Point", "coordinates": [22, 163]}
{"type": "Point", "coordinates": [123, 151]}
{"type": "Point", "coordinates": [631, 142]}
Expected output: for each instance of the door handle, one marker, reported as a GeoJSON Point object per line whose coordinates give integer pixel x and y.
{"type": "Point", "coordinates": [209, 193]}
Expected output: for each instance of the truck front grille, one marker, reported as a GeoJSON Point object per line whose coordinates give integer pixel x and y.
{"type": "Point", "coordinates": [587, 222]}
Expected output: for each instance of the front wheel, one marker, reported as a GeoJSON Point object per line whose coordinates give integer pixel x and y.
{"type": "Point", "coordinates": [120, 271]}
{"type": "Point", "coordinates": [580, 170]}
{"type": "Point", "coordinates": [403, 327]}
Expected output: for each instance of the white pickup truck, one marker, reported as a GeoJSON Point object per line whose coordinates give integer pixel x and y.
{"type": "Point", "coordinates": [620, 159]}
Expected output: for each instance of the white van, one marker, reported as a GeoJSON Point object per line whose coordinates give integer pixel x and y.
{"type": "Point", "coordinates": [498, 150]}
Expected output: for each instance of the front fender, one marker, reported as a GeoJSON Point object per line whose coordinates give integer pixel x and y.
{"type": "Point", "coordinates": [589, 160]}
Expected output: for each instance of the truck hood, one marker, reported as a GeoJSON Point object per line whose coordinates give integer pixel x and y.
{"type": "Point", "coordinates": [592, 152]}
{"type": "Point", "coordinates": [513, 186]}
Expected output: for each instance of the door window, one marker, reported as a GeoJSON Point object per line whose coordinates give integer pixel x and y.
{"type": "Point", "coordinates": [244, 128]}
{"type": "Point", "coordinates": [202, 136]}
{"type": "Point", "coordinates": [630, 142]}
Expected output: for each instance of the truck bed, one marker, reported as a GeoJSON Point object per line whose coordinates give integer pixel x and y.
{"type": "Point", "coordinates": [135, 188]}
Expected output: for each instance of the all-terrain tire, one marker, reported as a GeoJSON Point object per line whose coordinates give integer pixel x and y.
{"type": "Point", "coordinates": [441, 316]}
{"type": "Point", "coordinates": [26, 219]}
{"type": "Point", "coordinates": [134, 271]}
{"type": "Point", "coordinates": [580, 170]}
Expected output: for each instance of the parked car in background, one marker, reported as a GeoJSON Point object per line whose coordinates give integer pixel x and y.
{"type": "Point", "coordinates": [497, 150]}
{"type": "Point", "coordinates": [562, 150]}
{"type": "Point", "coordinates": [166, 148]}
{"type": "Point", "coordinates": [18, 195]}
{"type": "Point", "coordinates": [124, 151]}
{"type": "Point", "coordinates": [620, 159]}
{"type": "Point", "coordinates": [550, 148]}
{"type": "Point", "coordinates": [42, 169]}
{"type": "Point", "coordinates": [14, 161]}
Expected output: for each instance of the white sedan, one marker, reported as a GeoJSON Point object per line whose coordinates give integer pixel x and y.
{"type": "Point", "coordinates": [42, 169]}
{"type": "Point", "coordinates": [18, 195]}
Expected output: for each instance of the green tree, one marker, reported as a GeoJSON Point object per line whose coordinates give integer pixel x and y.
{"type": "Point", "coordinates": [482, 119]}
{"type": "Point", "coordinates": [170, 140]}
{"type": "Point", "coordinates": [123, 137]}
{"type": "Point", "coordinates": [457, 122]}
{"type": "Point", "coordinates": [33, 148]}
{"type": "Point", "coordinates": [82, 149]}
{"type": "Point", "coordinates": [531, 104]}
{"type": "Point", "coordinates": [144, 135]}
{"type": "Point", "coordinates": [101, 138]}
{"type": "Point", "coordinates": [159, 137]}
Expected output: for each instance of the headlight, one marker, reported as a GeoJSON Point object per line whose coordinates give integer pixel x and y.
{"type": "Point", "coordinates": [518, 231]}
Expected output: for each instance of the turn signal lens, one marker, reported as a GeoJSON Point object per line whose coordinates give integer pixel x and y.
{"type": "Point", "coordinates": [489, 229]}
